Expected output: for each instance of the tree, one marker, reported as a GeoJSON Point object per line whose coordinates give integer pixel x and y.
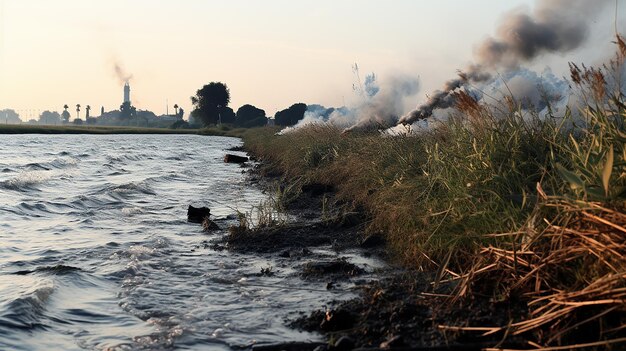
{"type": "Point", "coordinates": [65, 115]}
{"type": "Point", "coordinates": [78, 111]}
{"type": "Point", "coordinates": [127, 111]}
{"type": "Point", "coordinates": [290, 116]}
{"type": "Point", "coordinates": [9, 116]}
{"type": "Point", "coordinates": [250, 116]}
{"type": "Point", "coordinates": [180, 124]}
{"type": "Point", "coordinates": [208, 101]}
{"type": "Point", "coordinates": [88, 119]}
{"type": "Point", "coordinates": [176, 109]}
{"type": "Point", "coordinates": [227, 115]}
{"type": "Point", "coordinates": [49, 117]}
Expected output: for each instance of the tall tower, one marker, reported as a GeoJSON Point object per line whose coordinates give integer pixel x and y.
{"type": "Point", "coordinates": [127, 92]}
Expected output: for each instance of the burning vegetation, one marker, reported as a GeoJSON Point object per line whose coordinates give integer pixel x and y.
{"type": "Point", "coordinates": [504, 204]}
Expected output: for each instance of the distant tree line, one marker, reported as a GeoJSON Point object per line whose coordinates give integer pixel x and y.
{"type": "Point", "coordinates": [127, 115]}
{"type": "Point", "coordinates": [211, 107]}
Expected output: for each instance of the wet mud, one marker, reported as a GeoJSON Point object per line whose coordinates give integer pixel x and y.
{"type": "Point", "coordinates": [395, 308]}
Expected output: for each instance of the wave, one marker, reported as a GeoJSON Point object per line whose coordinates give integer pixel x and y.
{"type": "Point", "coordinates": [36, 167]}
{"type": "Point", "coordinates": [34, 210]}
{"type": "Point", "coordinates": [59, 269]}
{"type": "Point", "coordinates": [58, 163]}
{"type": "Point", "coordinates": [116, 173]}
{"type": "Point", "coordinates": [91, 203]}
{"type": "Point", "coordinates": [132, 187]}
{"type": "Point", "coordinates": [131, 211]}
{"type": "Point", "coordinates": [26, 180]}
{"type": "Point", "coordinates": [179, 157]}
{"type": "Point", "coordinates": [27, 311]}
{"type": "Point", "coordinates": [124, 158]}
{"type": "Point", "coordinates": [33, 174]}
{"type": "Point", "coordinates": [172, 176]}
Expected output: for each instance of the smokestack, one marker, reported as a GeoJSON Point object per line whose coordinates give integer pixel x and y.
{"type": "Point", "coordinates": [127, 92]}
{"type": "Point", "coordinates": [555, 26]}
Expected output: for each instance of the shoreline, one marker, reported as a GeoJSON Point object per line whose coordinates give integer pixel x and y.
{"type": "Point", "coordinates": [111, 130]}
{"type": "Point", "coordinates": [498, 248]}
{"type": "Point", "coordinates": [395, 310]}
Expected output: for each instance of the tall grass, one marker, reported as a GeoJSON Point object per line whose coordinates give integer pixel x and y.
{"type": "Point", "coordinates": [495, 199]}
{"type": "Point", "coordinates": [431, 194]}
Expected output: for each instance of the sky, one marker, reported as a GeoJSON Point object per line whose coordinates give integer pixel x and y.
{"type": "Point", "coordinates": [270, 53]}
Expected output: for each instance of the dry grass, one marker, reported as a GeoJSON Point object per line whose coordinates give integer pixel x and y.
{"type": "Point", "coordinates": [569, 266]}
{"type": "Point", "coordinates": [500, 201]}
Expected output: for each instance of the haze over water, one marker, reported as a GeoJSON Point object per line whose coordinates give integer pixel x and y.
{"type": "Point", "coordinates": [96, 252]}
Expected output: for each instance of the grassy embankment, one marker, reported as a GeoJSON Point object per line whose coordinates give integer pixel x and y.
{"type": "Point", "coordinates": [72, 129]}
{"type": "Point", "coordinates": [500, 201]}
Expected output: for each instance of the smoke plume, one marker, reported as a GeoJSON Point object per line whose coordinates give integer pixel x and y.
{"type": "Point", "coordinates": [384, 107]}
{"type": "Point", "coordinates": [120, 73]}
{"type": "Point", "coordinates": [380, 105]}
{"type": "Point", "coordinates": [555, 26]}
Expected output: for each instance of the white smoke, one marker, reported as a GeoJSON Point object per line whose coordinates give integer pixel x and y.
{"type": "Point", "coordinates": [379, 106]}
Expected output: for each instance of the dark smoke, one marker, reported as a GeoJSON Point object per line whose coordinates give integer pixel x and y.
{"type": "Point", "coordinates": [445, 98]}
{"type": "Point", "coordinates": [121, 74]}
{"type": "Point", "coordinates": [555, 26]}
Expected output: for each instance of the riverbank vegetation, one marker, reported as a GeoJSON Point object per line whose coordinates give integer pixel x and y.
{"type": "Point", "coordinates": [500, 202]}
{"type": "Point", "coordinates": [71, 129]}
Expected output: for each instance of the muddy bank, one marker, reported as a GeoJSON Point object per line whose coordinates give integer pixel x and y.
{"type": "Point", "coordinates": [403, 312]}
{"type": "Point", "coordinates": [395, 309]}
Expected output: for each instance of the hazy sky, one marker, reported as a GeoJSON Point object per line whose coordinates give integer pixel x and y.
{"type": "Point", "coordinates": [270, 53]}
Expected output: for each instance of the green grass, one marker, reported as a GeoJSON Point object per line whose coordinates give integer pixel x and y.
{"type": "Point", "coordinates": [437, 195]}
{"type": "Point", "coordinates": [503, 203]}
{"type": "Point", "coordinates": [72, 129]}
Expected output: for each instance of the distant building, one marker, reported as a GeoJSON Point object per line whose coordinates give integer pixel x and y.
{"type": "Point", "coordinates": [127, 92]}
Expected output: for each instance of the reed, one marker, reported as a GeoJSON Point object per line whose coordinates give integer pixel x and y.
{"type": "Point", "coordinates": [499, 201]}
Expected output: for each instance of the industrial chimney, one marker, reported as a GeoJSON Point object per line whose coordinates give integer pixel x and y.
{"type": "Point", "coordinates": [127, 92]}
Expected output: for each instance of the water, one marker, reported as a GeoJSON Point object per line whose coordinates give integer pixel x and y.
{"type": "Point", "coordinates": [96, 253]}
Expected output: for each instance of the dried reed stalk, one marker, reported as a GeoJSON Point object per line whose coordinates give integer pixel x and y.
{"type": "Point", "coordinates": [572, 271]}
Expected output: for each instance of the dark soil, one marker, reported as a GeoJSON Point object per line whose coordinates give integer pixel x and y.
{"type": "Point", "coordinates": [236, 148]}
{"type": "Point", "coordinates": [400, 311]}
{"type": "Point", "coordinates": [396, 314]}
{"type": "Point", "coordinates": [325, 269]}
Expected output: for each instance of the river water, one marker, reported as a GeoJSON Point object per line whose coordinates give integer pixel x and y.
{"type": "Point", "coordinates": [96, 252]}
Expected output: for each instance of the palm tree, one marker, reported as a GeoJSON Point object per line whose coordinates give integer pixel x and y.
{"type": "Point", "coordinates": [176, 108]}
{"type": "Point", "coordinates": [87, 111]}
{"type": "Point", "coordinates": [65, 114]}
{"type": "Point", "coordinates": [78, 111]}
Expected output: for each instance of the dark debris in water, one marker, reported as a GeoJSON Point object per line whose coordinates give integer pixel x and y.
{"type": "Point", "coordinates": [197, 214]}
{"type": "Point", "coordinates": [339, 268]}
